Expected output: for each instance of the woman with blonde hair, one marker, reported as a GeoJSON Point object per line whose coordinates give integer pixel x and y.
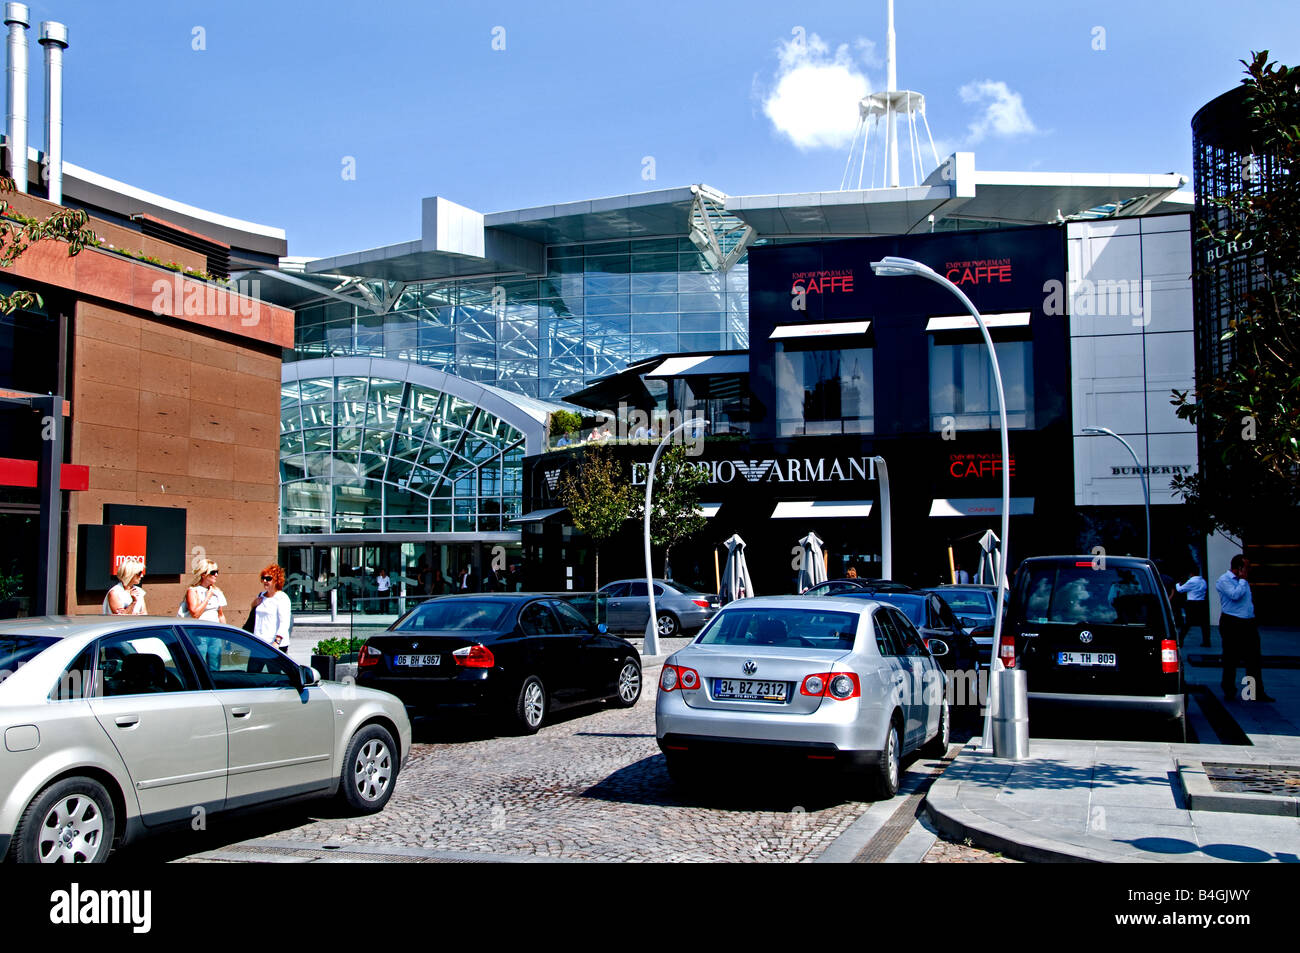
{"type": "Point", "coordinates": [272, 610]}
{"type": "Point", "coordinates": [203, 599]}
{"type": "Point", "coordinates": [127, 598]}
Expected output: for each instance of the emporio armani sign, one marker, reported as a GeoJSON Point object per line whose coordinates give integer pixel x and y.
{"type": "Point", "coordinates": [777, 470]}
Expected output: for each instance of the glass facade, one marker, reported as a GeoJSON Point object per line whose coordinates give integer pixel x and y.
{"type": "Point", "coordinates": [369, 455]}
{"type": "Point", "coordinates": [600, 306]}
{"type": "Point", "coordinates": [961, 385]}
{"type": "Point", "coordinates": [821, 391]}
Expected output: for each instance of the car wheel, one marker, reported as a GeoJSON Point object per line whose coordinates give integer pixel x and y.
{"type": "Point", "coordinates": [937, 746]}
{"type": "Point", "coordinates": [70, 822]}
{"type": "Point", "coordinates": [667, 625]}
{"type": "Point", "coordinates": [629, 684]}
{"type": "Point", "coordinates": [885, 779]}
{"type": "Point", "coordinates": [530, 706]}
{"type": "Point", "coordinates": [369, 770]}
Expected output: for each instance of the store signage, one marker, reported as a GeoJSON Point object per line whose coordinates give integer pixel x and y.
{"type": "Point", "coordinates": [774, 470]}
{"type": "Point", "coordinates": [963, 465]}
{"type": "Point", "coordinates": [1173, 469]}
{"type": "Point", "coordinates": [127, 545]}
{"type": "Point", "coordinates": [825, 281]}
{"type": "Point", "coordinates": [983, 271]}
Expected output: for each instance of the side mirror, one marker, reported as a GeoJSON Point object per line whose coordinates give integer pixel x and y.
{"type": "Point", "coordinates": [938, 647]}
{"type": "Point", "coordinates": [307, 677]}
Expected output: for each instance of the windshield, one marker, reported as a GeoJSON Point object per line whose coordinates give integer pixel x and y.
{"type": "Point", "coordinates": [968, 602]}
{"type": "Point", "coordinates": [456, 615]}
{"type": "Point", "coordinates": [1083, 595]}
{"type": "Point", "coordinates": [782, 628]}
{"type": "Point", "coordinates": [16, 650]}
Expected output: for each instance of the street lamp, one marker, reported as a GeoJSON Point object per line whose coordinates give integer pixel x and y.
{"type": "Point", "coordinates": [891, 267]}
{"type": "Point", "coordinates": [651, 644]}
{"type": "Point", "coordinates": [1146, 487]}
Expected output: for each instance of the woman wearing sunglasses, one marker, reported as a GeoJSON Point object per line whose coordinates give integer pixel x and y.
{"type": "Point", "coordinates": [127, 598]}
{"type": "Point", "coordinates": [272, 611]}
{"type": "Point", "coordinates": [203, 599]}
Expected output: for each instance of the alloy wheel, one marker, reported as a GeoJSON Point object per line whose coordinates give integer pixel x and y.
{"type": "Point", "coordinates": [629, 683]}
{"type": "Point", "coordinates": [534, 704]}
{"type": "Point", "coordinates": [373, 770]}
{"type": "Point", "coordinates": [71, 832]}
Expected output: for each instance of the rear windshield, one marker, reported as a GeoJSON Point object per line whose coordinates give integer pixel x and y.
{"type": "Point", "coordinates": [16, 650]}
{"type": "Point", "coordinates": [456, 615]}
{"type": "Point", "coordinates": [913, 606]}
{"type": "Point", "coordinates": [1083, 595]}
{"type": "Point", "coordinates": [782, 628]}
{"type": "Point", "coordinates": [966, 601]}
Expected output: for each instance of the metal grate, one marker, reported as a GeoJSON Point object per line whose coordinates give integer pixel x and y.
{"type": "Point", "coordinates": [1254, 779]}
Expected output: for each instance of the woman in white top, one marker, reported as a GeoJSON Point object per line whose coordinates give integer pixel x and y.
{"type": "Point", "coordinates": [127, 598]}
{"type": "Point", "coordinates": [272, 611]}
{"type": "Point", "coordinates": [203, 599]}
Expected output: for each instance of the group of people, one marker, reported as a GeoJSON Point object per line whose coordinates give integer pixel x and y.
{"type": "Point", "coordinates": [270, 614]}
{"type": "Point", "coordinates": [1238, 630]}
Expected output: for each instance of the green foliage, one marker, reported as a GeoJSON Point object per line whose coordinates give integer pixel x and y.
{"type": "Point", "coordinates": [675, 515]}
{"type": "Point", "coordinates": [599, 498]}
{"type": "Point", "coordinates": [11, 586]}
{"type": "Point", "coordinates": [1249, 416]}
{"type": "Point", "coordinates": [564, 421]}
{"type": "Point", "coordinates": [337, 647]}
{"type": "Point", "coordinates": [18, 233]}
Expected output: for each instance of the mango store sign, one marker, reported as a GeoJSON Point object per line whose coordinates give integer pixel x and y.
{"type": "Point", "coordinates": [128, 545]}
{"type": "Point", "coordinates": [777, 470]}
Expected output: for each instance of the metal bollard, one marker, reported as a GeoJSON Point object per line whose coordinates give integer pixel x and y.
{"type": "Point", "coordinates": [334, 605]}
{"type": "Point", "coordinates": [1009, 698]}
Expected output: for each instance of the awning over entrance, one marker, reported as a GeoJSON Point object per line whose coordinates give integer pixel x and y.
{"type": "Point", "coordinates": [708, 510]}
{"type": "Point", "coordinates": [992, 506]}
{"type": "Point", "coordinates": [536, 516]}
{"type": "Point", "coordinates": [702, 364]}
{"type": "Point", "coordinates": [821, 509]}
{"type": "Point", "coordinates": [967, 322]}
{"type": "Point", "coordinates": [819, 330]}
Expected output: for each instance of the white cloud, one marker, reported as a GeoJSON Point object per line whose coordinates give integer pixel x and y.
{"type": "Point", "coordinates": [1004, 111]}
{"type": "Point", "coordinates": [814, 99]}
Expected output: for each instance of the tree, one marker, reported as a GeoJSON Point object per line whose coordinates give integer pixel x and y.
{"type": "Point", "coordinates": [18, 233]}
{"type": "Point", "coordinates": [676, 515]}
{"type": "Point", "coordinates": [1249, 415]}
{"type": "Point", "coordinates": [599, 499]}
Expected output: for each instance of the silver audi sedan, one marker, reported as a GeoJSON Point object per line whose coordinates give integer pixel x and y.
{"type": "Point", "coordinates": [122, 725]}
{"type": "Point", "coordinates": [833, 682]}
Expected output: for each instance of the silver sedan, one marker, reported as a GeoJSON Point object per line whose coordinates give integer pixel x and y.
{"type": "Point", "coordinates": [837, 682]}
{"type": "Point", "coordinates": [118, 726]}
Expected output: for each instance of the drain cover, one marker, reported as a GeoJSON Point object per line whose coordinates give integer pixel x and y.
{"type": "Point", "coordinates": [1254, 779]}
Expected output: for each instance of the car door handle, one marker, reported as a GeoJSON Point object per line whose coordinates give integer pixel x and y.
{"type": "Point", "coordinates": [126, 721]}
{"type": "Point", "coordinates": [241, 712]}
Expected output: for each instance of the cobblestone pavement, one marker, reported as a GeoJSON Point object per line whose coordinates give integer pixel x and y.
{"type": "Point", "coordinates": [590, 786]}
{"type": "Point", "coordinates": [954, 852]}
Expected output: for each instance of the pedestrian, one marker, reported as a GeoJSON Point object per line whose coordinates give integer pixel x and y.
{"type": "Point", "coordinates": [127, 598]}
{"type": "Point", "coordinates": [1238, 632]}
{"type": "Point", "coordinates": [852, 573]}
{"type": "Point", "coordinates": [1196, 608]}
{"type": "Point", "coordinates": [437, 584]}
{"type": "Point", "coordinates": [468, 581]}
{"type": "Point", "coordinates": [272, 612]}
{"type": "Point", "coordinates": [203, 600]}
{"type": "Point", "coordinates": [383, 585]}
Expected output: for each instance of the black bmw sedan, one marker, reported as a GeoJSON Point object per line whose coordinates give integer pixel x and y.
{"type": "Point", "coordinates": [517, 655]}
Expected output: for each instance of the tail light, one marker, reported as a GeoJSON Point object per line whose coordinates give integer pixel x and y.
{"type": "Point", "coordinates": [368, 657]}
{"type": "Point", "coordinates": [837, 685]}
{"type": "Point", "coordinates": [702, 603]}
{"type": "Point", "coordinates": [674, 677]}
{"type": "Point", "coordinates": [1168, 656]}
{"type": "Point", "coordinates": [474, 656]}
{"type": "Point", "coordinates": [1007, 650]}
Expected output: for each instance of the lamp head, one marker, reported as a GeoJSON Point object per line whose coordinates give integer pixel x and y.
{"type": "Point", "coordinates": [891, 266]}
{"type": "Point", "coordinates": [1096, 431]}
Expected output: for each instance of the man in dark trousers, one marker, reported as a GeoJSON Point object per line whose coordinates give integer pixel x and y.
{"type": "Point", "coordinates": [1239, 632]}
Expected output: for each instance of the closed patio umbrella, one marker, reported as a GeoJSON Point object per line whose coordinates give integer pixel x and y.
{"type": "Point", "coordinates": [736, 583]}
{"type": "Point", "coordinates": [812, 565]}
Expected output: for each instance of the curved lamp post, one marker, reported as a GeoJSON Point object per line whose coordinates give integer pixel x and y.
{"type": "Point", "coordinates": [651, 645]}
{"type": "Point", "coordinates": [891, 267]}
{"type": "Point", "coordinates": [1146, 487]}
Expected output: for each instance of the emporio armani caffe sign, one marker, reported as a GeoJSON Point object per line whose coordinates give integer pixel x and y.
{"type": "Point", "coordinates": [777, 470]}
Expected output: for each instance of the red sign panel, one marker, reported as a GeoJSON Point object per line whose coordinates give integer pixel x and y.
{"type": "Point", "coordinates": [128, 544]}
{"type": "Point", "coordinates": [72, 476]}
{"type": "Point", "coordinates": [963, 465]}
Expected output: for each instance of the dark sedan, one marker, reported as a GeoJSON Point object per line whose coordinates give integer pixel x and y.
{"type": "Point", "coordinates": [833, 587]}
{"type": "Point", "coordinates": [934, 620]}
{"type": "Point", "coordinates": [516, 655]}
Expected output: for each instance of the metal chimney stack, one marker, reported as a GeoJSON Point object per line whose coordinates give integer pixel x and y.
{"type": "Point", "coordinates": [54, 37]}
{"type": "Point", "coordinates": [16, 18]}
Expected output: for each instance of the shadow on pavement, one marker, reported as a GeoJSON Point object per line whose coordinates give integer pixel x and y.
{"type": "Point", "coordinates": [1238, 853]}
{"type": "Point", "coordinates": [223, 830]}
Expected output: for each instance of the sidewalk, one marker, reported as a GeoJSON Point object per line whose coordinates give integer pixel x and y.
{"type": "Point", "coordinates": [1137, 801]}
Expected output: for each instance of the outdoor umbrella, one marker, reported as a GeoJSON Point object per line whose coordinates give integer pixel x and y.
{"type": "Point", "coordinates": [812, 566]}
{"type": "Point", "coordinates": [736, 583]}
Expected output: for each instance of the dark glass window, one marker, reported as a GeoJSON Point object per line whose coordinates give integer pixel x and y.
{"type": "Point", "coordinates": [961, 385]}
{"type": "Point", "coordinates": [824, 391]}
{"type": "Point", "coordinates": [143, 662]}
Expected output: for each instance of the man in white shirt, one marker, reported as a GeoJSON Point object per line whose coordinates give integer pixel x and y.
{"type": "Point", "coordinates": [1239, 632]}
{"type": "Point", "coordinates": [1196, 609]}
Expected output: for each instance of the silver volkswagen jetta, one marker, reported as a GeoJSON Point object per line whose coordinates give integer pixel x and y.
{"type": "Point", "coordinates": [114, 726]}
{"type": "Point", "coordinates": [845, 683]}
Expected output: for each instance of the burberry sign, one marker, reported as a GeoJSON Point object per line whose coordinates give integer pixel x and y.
{"type": "Point", "coordinates": [777, 470]}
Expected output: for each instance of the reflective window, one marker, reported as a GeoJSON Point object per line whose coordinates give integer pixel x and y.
{"type": "Point", "coordinates": [824, 391]}
{"type": "Point", "coordinates": [962, 392]}
{"type": "Point", "coordinates": [236, 660]}
{"type": "Point", "coordinates": [143, 662]}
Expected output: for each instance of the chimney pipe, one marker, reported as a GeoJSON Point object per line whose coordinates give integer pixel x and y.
{"type": "Point", "coordinates": [16, 18]}
{"type": "Point", "coordinates": [54, 37]}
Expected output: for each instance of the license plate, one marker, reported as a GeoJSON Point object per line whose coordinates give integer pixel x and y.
{"type": "Point", "coordinates": [416, 659]}
{"type": "Point", "coordinates": [735, 689]}
{"type": "Point", "coordinates": [1086, 658]}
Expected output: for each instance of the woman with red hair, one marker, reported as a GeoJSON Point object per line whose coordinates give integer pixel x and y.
{"type": "Point", "coordinates": [272, 611]}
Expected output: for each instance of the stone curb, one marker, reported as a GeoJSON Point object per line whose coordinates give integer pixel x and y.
{"type": "Point", "coordinates": [957, 823]}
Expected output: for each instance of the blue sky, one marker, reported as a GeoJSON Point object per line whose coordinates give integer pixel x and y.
{"type": "Point", "coordinates": [745, 96]}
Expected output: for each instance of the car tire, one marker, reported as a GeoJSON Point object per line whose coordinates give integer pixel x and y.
{"type": "Point", "coordinates": [937, 746]}
{"type": "Point", "coordinates": [884, 780]}
{"type": "Point", "coordinates": [667, 625]}
{"type": "Point", "coordinates": [370, 767]}
{"type": "Point", "coordinates": [629, 684]}
{"type": "Point", "coordinates": [531, 706]}
{"type": "Point", "coordinates": [70, 821]}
